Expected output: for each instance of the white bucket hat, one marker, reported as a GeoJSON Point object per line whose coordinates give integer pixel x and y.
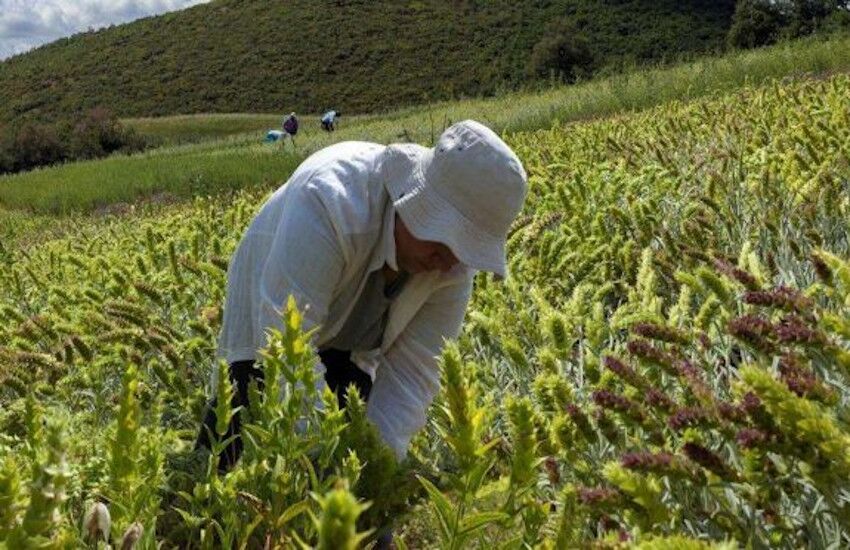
{"type": "Point", "coordinates": [464, 193]}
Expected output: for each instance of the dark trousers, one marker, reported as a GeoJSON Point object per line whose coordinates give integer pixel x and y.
{"type": "Point", "coordinates": [339, 374]}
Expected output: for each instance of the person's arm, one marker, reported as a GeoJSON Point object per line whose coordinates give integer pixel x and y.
{"type": "Point", "coordinates": [306, 260]}
{"type": "Point", "coordinates": [408, 376]}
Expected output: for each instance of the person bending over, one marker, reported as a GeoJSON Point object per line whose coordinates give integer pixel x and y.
{"type": "Point", "coordinates": [378, 245]}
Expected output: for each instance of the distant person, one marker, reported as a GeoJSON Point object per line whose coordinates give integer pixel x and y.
{"type": "Point", "coordinates": [290, 127]}
{"type": "Point", "coordinates": [329, 120]}
{"type": "Point", "coordinates": [273, 135]}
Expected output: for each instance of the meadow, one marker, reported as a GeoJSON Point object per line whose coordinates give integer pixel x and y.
{"type": "Point", "coordinates": [667, 366]}
{"type": "Point", "coordinates": [179, 129]}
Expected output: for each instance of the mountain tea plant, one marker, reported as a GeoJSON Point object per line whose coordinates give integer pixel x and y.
{"type": "Point", "coordinates": [668, 365]}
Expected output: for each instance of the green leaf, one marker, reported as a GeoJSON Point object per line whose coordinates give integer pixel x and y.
{"type": "Point", "coordinates": [495, 487]}
{"type": "Point", "coordinates": [191, 520]}
{"type": "Point", "coordinates": [473, 522]}
{"type": "Point", "coordinates": [246, 535]}
{"type": "Point", "coordinates": [476, 475]}
{"type": "Point", "coordinates": [399, 543]}
{"type": "Point", "coordinates": [444, 508]}
{"type": "Point", "coordinates": [311, 471]}
{"type": "Point", "coordinates": [292, 512]}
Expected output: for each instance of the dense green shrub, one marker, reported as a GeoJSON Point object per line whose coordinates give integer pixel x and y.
{"type": "Point", "coordinates": [36, 145]}
{"type": "Point", "coordinates": [839, 20]}
{"type": "Point", "coordinates": [564, 53]}
{"type": "Point", "coordinates": [760, 22]}
{"type": "Point", "coordinates": [756, 23]}
{"type": "Point", "coordinates": [96, 134]}
{"type": "Point", "coordinates": [807, 16]}
{"type": "Point", "coordinates": [99, 133]}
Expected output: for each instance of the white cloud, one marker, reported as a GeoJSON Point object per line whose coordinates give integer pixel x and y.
{"type": "Point", "coordinates": [25, 24]}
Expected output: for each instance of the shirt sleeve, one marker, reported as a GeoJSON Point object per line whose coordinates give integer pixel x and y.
{"type": "Point", "coordinates": [408, 377]}
{"type": "Point", "coordinates": [305, 260]}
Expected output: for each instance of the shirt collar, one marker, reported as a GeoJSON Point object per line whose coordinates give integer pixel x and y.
{"type": "Point", "coordinates": [388, 236]}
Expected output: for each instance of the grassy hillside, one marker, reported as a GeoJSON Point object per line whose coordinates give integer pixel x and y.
{"type": "Point", "coordinates": [243, 161]}
{"type": "Point", "coordinates": [306, 55]}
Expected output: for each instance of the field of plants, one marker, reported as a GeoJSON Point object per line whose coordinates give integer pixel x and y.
{"type": "Point", "coordinates": [667, 367]}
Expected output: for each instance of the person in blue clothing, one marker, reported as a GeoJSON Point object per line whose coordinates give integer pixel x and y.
{"type": "Point", "coordinates": [329, 120]}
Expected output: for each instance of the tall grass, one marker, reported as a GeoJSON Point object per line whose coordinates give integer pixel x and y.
{"type": "Point", "coordinates": [241, 160]}
{"type": "Point", "coordinates": [174, 130]}
{"type": "Point", "coordinates": [93, 184]}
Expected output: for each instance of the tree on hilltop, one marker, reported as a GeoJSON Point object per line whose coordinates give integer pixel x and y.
{"type": "Point", "coordinates": [562, 52]}
{"type": "Point", "coordinates": [761, 22]}
{"type": "Point", "coordinates": [756, 23]}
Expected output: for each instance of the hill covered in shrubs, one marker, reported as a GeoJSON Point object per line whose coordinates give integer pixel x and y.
{"type": "Point", "coordinates": [356, 55]}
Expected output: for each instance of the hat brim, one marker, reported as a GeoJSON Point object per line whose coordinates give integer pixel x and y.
{"type": "Point", "coordinates": [429, 217]}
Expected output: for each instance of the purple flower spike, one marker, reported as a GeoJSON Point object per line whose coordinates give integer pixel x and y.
{"type": "Point", "coordinates": [598, 495]}
{"type": "Point", "coordinates": [653, 331]}
{"type": "Point", "coordinates": [750, 438]}
{"type": "Point", "coordinates": [744, 277]}
{"type": "Point", "coordinates": [781, 297]}
{"type": "Point", "coordinates": [708, 460]}
{"type": "Point", "coordinates": [686, 417]}
{"type": "Point", "coordinates": [625, 372]}
{"type": "Point", "coordinates": [645, 461]}
{"type": "Point", "coordinates": [793, 329]}
{"type": "Point", "coordinates": [643, 349]}
{"type": "Point", "coordinates": [755, 331]}
{"type": "Point", "coordinates": [609, 400]}
{"type": "Point", "coordinates": [656, 398]}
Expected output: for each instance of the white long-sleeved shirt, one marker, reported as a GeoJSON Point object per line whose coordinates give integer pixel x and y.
{"type": "Point", "coordinates": [318, 237]}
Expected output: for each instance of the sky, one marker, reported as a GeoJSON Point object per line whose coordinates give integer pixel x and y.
{"type": "Point", "coordinates": [25, 24]}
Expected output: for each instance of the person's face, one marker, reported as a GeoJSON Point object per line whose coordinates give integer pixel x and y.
{"type": "Point", "coordinates": [416, 256]}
